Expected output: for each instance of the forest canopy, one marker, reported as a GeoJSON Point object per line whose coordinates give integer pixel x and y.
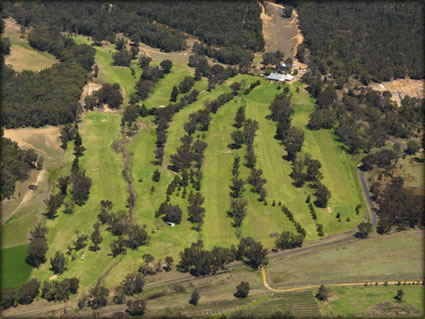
{"type": "Point", "coordinates": [155, 23]}
{"type": "Point", "coordinates": [372, 40]}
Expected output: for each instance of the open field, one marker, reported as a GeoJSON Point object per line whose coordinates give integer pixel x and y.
{"type": "Point", "coordinates": [393, 256]}
{"type": "Point", "coordinates": [14, 270]}
{"type": "Point", "coordinates": [374, 301]}
{"type": "Point", "coordinates": [24, 209]}
{"type": "Point", "coordinates": [22, 56]}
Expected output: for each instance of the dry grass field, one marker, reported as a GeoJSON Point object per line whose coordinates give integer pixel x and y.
{"type": "Point", "coordinates": [22, 56]}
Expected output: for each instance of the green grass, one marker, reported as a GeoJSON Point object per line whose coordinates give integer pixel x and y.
{"type": "Point", "coordinates": [113, 74]}
{"type": "Point", "coordinates": [104, 167]}
{"type": "Point", "coordinates": [358, 301]}
{"type": "Point", "coordinates": [14, 270]}
{"type": "Point", "coordinates": [397, 256]}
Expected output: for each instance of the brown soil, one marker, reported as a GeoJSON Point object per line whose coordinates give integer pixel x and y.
{"type": "Point", "coordinates": [48, 134]}
{"type": "Point", "coordinates": [280, 33]}
{"type": "Point", "coordinates": [88, 90]}
{"type": "Point", "coordinates": [401, 87]}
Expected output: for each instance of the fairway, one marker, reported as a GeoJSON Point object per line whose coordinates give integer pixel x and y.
{"type": "Point", "coordinates": [113, 74]}
{"type": "Point", "coordinates": [104, 167]}
{"type": "Point", "coordinates": [14, 270]}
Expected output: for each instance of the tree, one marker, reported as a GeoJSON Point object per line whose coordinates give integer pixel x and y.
{"type": "Point", "coordinates": [148, 258]}
{"type": "Point", "coordinates": [195, 297]}
{"type": "Point", "coordinates": [98, 296]}
{"type": "Point", "coordinates": [238, 210]}
{"type": "Point", "coordinates": [240, 117]}
{"type": "Point", "coordinates": [81, 185]}
{"type": "Point", "coordinates": [134, 51]}
{"type": "Point", "coordinates": [81, 241]}
{"type": "Point", "coordinates": [235, 168]}
{"type": "Point", "coordinates": [7, 298]}
{"type": "Point", "coordinates": [186, 84]}
{"type": "Point", "coordinates": [252, 250]}
{"type": "Point", "coordinates": [156, 176]}
{"type": "Point", "coordinates": [412, 147]}
{"type": "Point", "coordinates": [166, 66]}
{"type": "Point", "coordinates": [28, 292]}
{"type": "Point", "coordinates": [63, 184]}
{"type": "Point", "coordinates": [237, 187]}
{"type": "Point", "coordinates": [250, 157]}
{"type": "Point", "coordinates": [118, 247]}
{"type": "Point", "coordinates": [96, 237]}
{"type": "Point", "coordinates": [122, 58]}
{"type": "Point", "coordinates": [293, 142]}
{"type": "Point", "coordinates": [120, 44]}
{"type": "Point", "coordinates": [287, 240]}
{"type": "Point", "coordinates": [238, 138]}
{"type": "Point", "coordinates": [38, 246]}
{"type": "Point", "coordinates": [110, 94]}
{"type": "Point", "coordinates": [133, 283]}
{"type": "Point", "coordinates": [322, 195]}
{"type": "Point", "coordinates": [144, 61]}
{"type": "Point", "coordinates": [174, 94]}
{"type": "Point", "coordinates": [136, 307]}
{"type": "Point", "coordinates": [399, 296]}
{"type": "Point", "coordinates": [168, 263]}
{"type": "Point", "coordinates": [364, 229]}
{"type": "Point", "coordinates": [242, 290]}
{"type": "Point", "coordinates": [137, 236]}
{"type": "Point", "coordinates": [322, 293]}
{"type": "Point", "coordinates": [58, 263]}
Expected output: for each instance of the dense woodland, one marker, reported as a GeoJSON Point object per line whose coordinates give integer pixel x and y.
{"type": "Point", "coordinates": [52, 95]}
{"type": "Point", "coordinates": [367, 39]}
{"type": "Point", "coordinates": [225, 24]}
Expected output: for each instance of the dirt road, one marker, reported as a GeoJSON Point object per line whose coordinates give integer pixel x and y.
{"type": "Point", "coordinates": [341, 284]}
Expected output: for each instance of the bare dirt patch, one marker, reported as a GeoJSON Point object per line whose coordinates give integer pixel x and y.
{"type": "Point", "coordinates": [53, 277]}
{"type": "Point", "coordinates": [88, 89]}
{"type": "Point", "coordinates": [47, 136]}
{"type": "Point", "coordinates": [400, 88]}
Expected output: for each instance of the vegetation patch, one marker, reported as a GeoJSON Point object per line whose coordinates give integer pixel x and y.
{"type": "Point", "coordinates": [14, 270]}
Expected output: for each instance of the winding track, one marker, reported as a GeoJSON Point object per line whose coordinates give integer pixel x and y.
{"type": "Point", "coordinates": [266, 284]}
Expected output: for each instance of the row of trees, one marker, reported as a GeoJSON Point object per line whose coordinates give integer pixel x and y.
{"type": "Point", "coordinates": [189, 157]}
{"type": "Point", "coordinates": [15, 165]}
{"type": "Point", "coordinates": [80, 183]}
{"type": "Point", "coordinates": [201, 262]}
{"type": "Point", "coordinates": [163, 116]}
{"type": "Point", "coordinates": [51, 291]}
